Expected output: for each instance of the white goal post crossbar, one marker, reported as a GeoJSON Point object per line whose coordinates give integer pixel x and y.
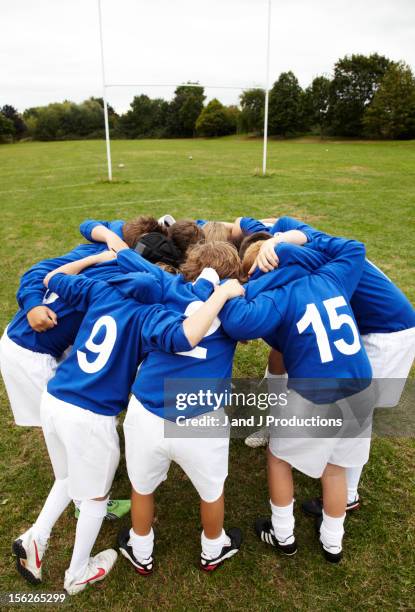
{"type": "Point", "coordinates": [106, 86]}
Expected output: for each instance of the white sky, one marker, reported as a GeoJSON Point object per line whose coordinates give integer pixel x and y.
{"type": "Point", "coordinates": [49, 49]}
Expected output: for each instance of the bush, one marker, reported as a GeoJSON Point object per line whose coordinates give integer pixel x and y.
{"type": "Point", "coordinates": [216, 120]}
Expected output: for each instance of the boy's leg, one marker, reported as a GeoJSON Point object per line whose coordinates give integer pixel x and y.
{"type": "Point", "coordinates": [217, 544]}
{"type": "Point", "coordinates": [279, 531]}
{"type": "Point", "coordinates": [276, 377]}
{"type": "Point", "coordinates": [334, 487]}
{"type": "Point", "coordinates": [353, 475]}
{"type": "Point", "coordinates": [212, 516]}
{"type": "Point", "coordinates": [141, 533]}
{"type": "Point", "coordinates": [30, 547]}
{"type": "Point", "coordinates": [91, 516]}
{"type": "Point", "coordinates": [281, 489]}
{"type": "Point", "coordinates": [84, 569]}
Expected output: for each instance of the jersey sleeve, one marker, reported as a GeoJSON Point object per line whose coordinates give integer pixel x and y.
{"type": "Point", "coordinates": [77, 290]}
{"type": "Point", "coordinates": [87, 226]}
{"type": "Point", "coordinates": [249, 225]}
{"type": "Point", "coordinates": [249, 319]}
{"type": "Point", "coordinates": [285, 224]}
{"type": "Point", "coordinates": [347, 258]}
{"type": "Point", "coordinates": [162, 330]}
{"type": "Point", "coordinates": [31, 289]}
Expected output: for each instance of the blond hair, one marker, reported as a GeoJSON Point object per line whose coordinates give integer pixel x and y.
{"type": "Point", "coordinates": [221, 256]}
{"type": "Point", "coordinates": [215, 231]}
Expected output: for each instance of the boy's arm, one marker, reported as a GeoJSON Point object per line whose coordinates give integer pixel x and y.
{"type": "Point", "coordinates": [244, 226]}
{"type": "Point", "coordinates": [75, 267]}
{"type": "Point", "coordinates": [246, 320]}
{"type": "Point", "coordinates": [77, 291]}
{"type": "Point", "coordinates": [267, 258]}
{"type": "Point", "coordinates": [347, 258]}
{"type": "Point", "coordinates": [88, 227]}
{"type": "Point", "coordinates": [168, 331]}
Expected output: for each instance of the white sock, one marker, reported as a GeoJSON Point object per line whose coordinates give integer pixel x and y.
{"type": "Point", "coordinates": [91, 515]}
{"type": "Point", "coordinates": [55, 504]}
{"type": "Point", "coordinates": [352, 477]}
{"type": "Point", "coordinates": [283, 522]}
{"type": "Point", "coordinates": [142, 545]}
{"type": "Point", "coordinates": [212, 548]}
{"type": "Point", "coordinates": [331, 532]}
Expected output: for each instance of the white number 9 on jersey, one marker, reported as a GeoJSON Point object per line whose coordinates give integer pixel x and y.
{"type": "Point", "coordinates": [103, 349]}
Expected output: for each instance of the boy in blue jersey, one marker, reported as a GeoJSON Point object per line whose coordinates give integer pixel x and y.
{"type": "Point", "coordinates": [386, 321]}
{"type": "Point", "coordinates": [35, 340]}
{"type": "Point", "coordinates": [148, 451]}
{"type": "Point", "coordinates": [311, 321]}
{"type": "Point", "coordinates": [82, 401]}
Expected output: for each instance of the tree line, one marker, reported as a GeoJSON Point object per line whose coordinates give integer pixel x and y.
{"type": "Point", "coordinates": [366, 97]}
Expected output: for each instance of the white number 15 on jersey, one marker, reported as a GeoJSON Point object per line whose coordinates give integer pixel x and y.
{"type": "Point", "coordinates": [312, 317]}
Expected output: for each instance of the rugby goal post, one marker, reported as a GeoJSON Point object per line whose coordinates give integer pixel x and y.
{"type": "Point", "coordinates": [106, 86]}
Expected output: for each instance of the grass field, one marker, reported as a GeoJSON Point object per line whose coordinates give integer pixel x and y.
{"type": "Point", "coordinates": [362, 190]}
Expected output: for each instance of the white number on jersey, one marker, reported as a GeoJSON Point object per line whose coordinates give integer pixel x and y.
{"type": "Point", "coordinates": [103, 349]}
{"type": "Point", "coordinates": [312, 317]}
{"type": "Point", "coordinates": [198, 352]}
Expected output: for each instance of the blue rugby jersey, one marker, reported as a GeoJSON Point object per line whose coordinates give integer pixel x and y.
{"type": "Point", "coordinates": [114, 336]}
{"type": "Point", "coordinates": [378, 304]}
{"type": "Point", "coordinates": [311, 322]}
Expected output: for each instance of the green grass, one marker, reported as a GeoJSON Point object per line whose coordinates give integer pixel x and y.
{"type": "Point", "coordinates": [362, 190]}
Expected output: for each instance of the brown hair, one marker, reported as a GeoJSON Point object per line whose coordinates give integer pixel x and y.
{"type": "Point", "coordinates": [167, 267]}
{"type": "Point", "coordinates": [250, 255]}
{"type": "Point", "coordinates": [133, 230]}
{"type": "Point", "coordinates": [216, 231]}
{"type": "Point", "coordinates": [221, 256]}
{"type": "Point", "coordinates": [248, 240]}
{"type": "Point", "coordinates": [185, 233]}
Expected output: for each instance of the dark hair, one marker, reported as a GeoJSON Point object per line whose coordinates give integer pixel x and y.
{"type": "Point", "coordinates": [184, 234]}
{"type": "Point", "coordinates": [133, 230]}
{"type": "Point", "coordinates": [248, 240]}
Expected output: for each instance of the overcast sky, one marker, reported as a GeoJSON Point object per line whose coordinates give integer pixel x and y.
{"type": "Point", "coordinates": [49, 49]}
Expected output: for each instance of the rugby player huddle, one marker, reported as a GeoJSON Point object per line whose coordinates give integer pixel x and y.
{"type": "Point", "coordinates": [103, 327]}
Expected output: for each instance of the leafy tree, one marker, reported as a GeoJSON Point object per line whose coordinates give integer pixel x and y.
{"type": "Point", "coordinates": [317, 102]}
{"type": "Point", "coordinates": [19, 125]}
{"type": "Point", "coordinates": [7, 129]}
{"type": "Point", "coordinates": [252, 113]}
{"type": "Point", "coordinates": [287, 106]}
{"type": "Point", "coordinates": [392, 111]}
{"type": "Point", "coordinates": [356, 80]}
{"type": "Point", "coordinates": [147, 118]}
{"type": "Point", "coordinates": [184, 110]}
{"type": "Point", "coordinates": [215, 120]}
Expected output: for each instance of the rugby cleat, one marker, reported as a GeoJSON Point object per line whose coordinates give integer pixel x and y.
{"type": "Point", "coordinates": [209, 564]}
{"type": "Point", "coordinates": [144, 567]}
{"type": "Point", "coordinates": [258, 438]}
{"type": "Point", "coordinates": [98, 568]}
{"type": "Point", "coordinates": [265, 532]}
{"type": "Point", "coordinates": [314, 507]}
{"type": "Point", "coordinates": [29, 553]}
